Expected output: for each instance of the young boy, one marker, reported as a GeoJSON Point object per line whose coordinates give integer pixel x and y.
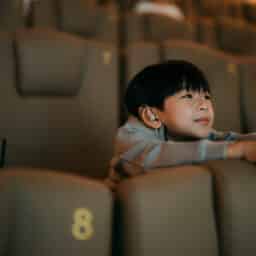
{"type": "Point", "coordinates": [171, 123]}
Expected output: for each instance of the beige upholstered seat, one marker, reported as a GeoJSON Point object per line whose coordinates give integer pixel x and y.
{"type": "Point", "coordinates": [234, 189]}
{"type": "Point", "coordinates": [167, 212]}
{"type": "Point", "coordinates": [11, 15]}
{"type": "Point", "coordinates": [47, 213]}
{"type": "Point", "coordinates": [78, 17]}
{"type": "Point", "coordinates": [248, 92]}
{"type": "Point", "coordinates": [236, 37]}
{"type": "Point", "coordinates": [157, 28]}
{"type": "Point", "coordinates": [61, 111]}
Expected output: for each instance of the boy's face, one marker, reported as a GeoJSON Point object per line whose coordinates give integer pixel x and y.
{"type": "Point", "coordinates": [188, 114]}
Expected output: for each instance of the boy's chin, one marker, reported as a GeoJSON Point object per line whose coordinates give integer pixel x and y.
{"type": "Point", "coordinates": [196, 135]}
{"type": "Point", "coordinates": [192, 134]}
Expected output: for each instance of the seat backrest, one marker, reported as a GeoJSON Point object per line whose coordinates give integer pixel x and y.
{"type": "Point", "coordinates": [165, 28]}
{"type": "Point", "coordinates": [11, 15]}
{"type": "Point", "coordinates": [234, 189]}
{"type": "Point", "coordinates": [236, 37]}
{"type": "Point", "coordinates": [78, 17]}
{"type": "Point", "coordinates": [134, 26]}
{"type": "Point", "coordinates": [140, 55]}
{"type": "Point", "coordinates": [249, 11]}
{"type": "Point", "coordinates": [206, 31]}
{"type": "Point", "coordinates": [248, 92]}
{"type": "Point", "coordinates": [210, 8]}
{"type": "Point", "coordinates": [234, 9]}
{"type": "Point", "coordinates": [157, 28]}
{"type": "Point", "coordinates": [47, 213]}
{"type": "Point", "coordinates": [160, 212]}
{"type": "Point", "coordinates": [223, 76]}
{"type": "Point", "coordinates": [63, 111]}
{"type": "Point", "coordinates": [185, 5]}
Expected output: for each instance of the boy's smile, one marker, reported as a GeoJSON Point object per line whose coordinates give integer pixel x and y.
{"type": "Point", "coordinates": [188, 114]}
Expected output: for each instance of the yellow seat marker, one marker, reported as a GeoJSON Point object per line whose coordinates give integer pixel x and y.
{"type": "Point", "coordinates": [107, 57]}
{"type": "Point", "coordinates": [82, 228]}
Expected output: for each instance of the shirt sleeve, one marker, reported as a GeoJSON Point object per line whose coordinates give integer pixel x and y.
{"type": "Point", "coordinates": [232, 136]}
{"type": "Point", "coordinates": [144, 155]}
{"type": "Point", "coordinates": [248, 136]}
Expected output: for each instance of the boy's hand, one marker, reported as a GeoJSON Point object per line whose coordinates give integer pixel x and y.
{"type": "Point", "coordinates": [242, 150]}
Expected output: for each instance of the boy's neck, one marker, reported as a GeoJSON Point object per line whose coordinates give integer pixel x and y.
{"type": "Point", "coordinates": [180, 137]}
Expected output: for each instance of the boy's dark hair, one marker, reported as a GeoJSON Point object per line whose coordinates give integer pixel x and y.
{"type": "Point", "coordinates": [155, 83]}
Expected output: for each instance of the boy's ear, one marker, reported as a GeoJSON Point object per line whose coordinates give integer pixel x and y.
{"type": "Point", "coordinates": [149, 117]}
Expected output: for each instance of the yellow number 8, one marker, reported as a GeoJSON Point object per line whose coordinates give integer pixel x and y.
{"type": "Point", "coordinates": [82, 228]}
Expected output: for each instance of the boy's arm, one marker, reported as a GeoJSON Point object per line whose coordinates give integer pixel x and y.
{"type": "Point", "coordinates": [141, 156]}
{"type": "Point", "coordinates": [231, 136]}
{"type": "Point", "coordinates": [245, 149]}
{"type": "Point", "coordinates": [147, 155]}
{"type": "Point", "coordinates": [248, 136]}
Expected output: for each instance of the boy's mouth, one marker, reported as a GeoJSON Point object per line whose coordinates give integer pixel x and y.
{"type": "Point", "coordinates": [203, 120]}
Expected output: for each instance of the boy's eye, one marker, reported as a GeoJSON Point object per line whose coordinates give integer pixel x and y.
{"type": "Point", "coordinates": [208, 97]}
{"type": "Point", "coordinates": [187, 96]}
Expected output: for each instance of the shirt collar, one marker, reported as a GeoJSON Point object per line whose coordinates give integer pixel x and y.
{"type": "Point", "coordinates": [134, 123]}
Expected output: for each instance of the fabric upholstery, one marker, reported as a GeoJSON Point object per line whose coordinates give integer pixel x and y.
{"type": "Point", "coordinates": [156, 28]}
{"type": "Point", "coordinates": [41, 75]}
{"type": "Point", "coordinates": [206, 31]}
{"type": "Point", "coordinates": [40, 214]}
{"type": "Point", "coordinates": [72, 134]}
{"type": "Point", "coordinates": [162, 28]}
{"type": "Point", "coordinates": [249, 11]}
{"type": "Point", "coordinates": [235, 206]}
{"type": "Point", "coordinates": [248, 92]}
{"type": "Point", "coordinates": [161, 212]}
{"type": "Point", "coordinates": [237, 38]}
{"type": "Point", "coordinates": [11, 15]}
{"type": "Point", "coordinates": [140, 55]}
{"type": "Point", "coordinates": [78, 17]}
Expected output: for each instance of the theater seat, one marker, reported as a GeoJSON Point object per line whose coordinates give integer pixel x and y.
{"type": "Point", "coordinates": [140, 55]}
{"type": "Point", "coordinates": [156, 28]}
{"type": "Point", "coordinates": [236, 37]}
{"type": "Point", "coordinates": [167, 212]}
{"type": "Point", "coordinates": [61, 110]}
{"type": "Point", "coordinates": [234, 189]}
{"type": "Point", "coordinates": [248, 92]}
{"type": "Point", "coordinates": [206, 31]}
{"type": "Point", "coordinates": [47, 213]}
{"type": "Point", "coordinates": [249, 11]}
{"type": "Point", "coordinates": [234, 9]}
{"type": "Point", "coordinates": [78, 17]}
{"type": "Point", "coordinates": [210, 8]}
{"type": "Point", "coordinates": [11, 15]}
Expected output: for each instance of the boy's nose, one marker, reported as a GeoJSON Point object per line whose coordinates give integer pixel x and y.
{"type": "Point", "coordinates": [202, 104]}
{"type": "Point", "coordinates": [203, 107]}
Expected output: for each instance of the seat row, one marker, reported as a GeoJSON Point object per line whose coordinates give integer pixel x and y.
{"type": "Point", "coordinates": [195, 210]}
{"type": "Point", "coordinates": [61, 96]}
{"type": "Point", "coordinates": [206, 8]}
{"type": "Point", "coordinates": [231, 36]}
{"type": "Point", "coordinates": [104, 24]}
{"type": "Point", "coordinates": [80, 17]}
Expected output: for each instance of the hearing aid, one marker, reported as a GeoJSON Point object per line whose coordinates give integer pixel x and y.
{"type": "Point", "coordinates": [151, 115]}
